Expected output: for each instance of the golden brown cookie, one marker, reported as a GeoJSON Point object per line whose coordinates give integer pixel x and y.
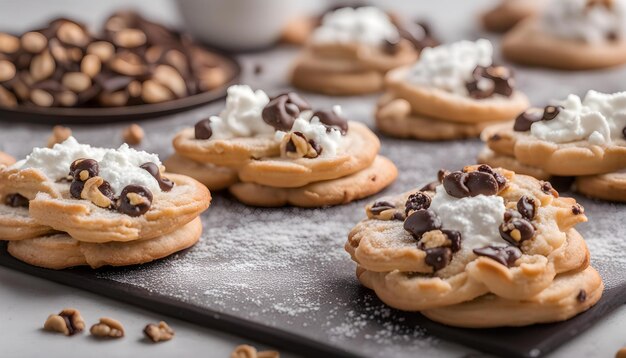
{"type": "Point", "coordinates": [84, 221]}
{"type": "Point", "coordinates": [493, 159]}
{"type": "Point", "coordinates": [569, 295]}
{"type": "Point", "coordinates": [16, 224]}
{"type": "Point", "coordinates": [527, 44]}
{"type": "Point", "coordinates": [440, 104]}
{"type": "Point", "coordinates": [60, 251]}
{"type": "Point", "coordinates": [508, 13]}
{"type": "Point", "coordinates": [611, 186]}
{"type": "Point", "coordinates": [343, 190]}
{"type": "Point", "coordinates": [212, 176]}
{"type": "Point", "coordinates": [6, 159]}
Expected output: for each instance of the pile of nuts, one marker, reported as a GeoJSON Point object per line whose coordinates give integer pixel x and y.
{"type": "Point", "coordinates": [133, 61]}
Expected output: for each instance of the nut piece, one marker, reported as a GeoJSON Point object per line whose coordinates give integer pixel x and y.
{"type": "Point", "coordinates": [295, 145]}
{"type": "Point", "coordinates": [154, 92]}
{"type": "Point", "coordinates": [72, 34]}
{"type": "Point", "coordinates": [246, 351]}
{"type": "Point", "coordinates": [76, 81]}
{"type": "Point", "coordinates": [133, 134]}
{"type": "Point", "coordinates": [34, 42]}
{"type": "Point", "coordinates": [158, 333]}
{"type": "Point", "coordinates": [7, 99]}
{"type": "Point", "coordinates": [129, 38]}
{"type": "Point", "coordinates": [91, 191]}
{"type": "Point", "coordinates": [91, 65]}
{"type": "Point", "coordinates": [9, 43]}
{"type": "Point", "coordinates": [7, 71]}
{"type": "Point", "coordinates": [102, 49]}
{"type": "Point", "coordinates": [42, 66]}
{"type": "Point", "coordinates": [69, 321]}
{"type": "Point", "coordinates": [107, 328]}
{"type": "Point", "coordinates": [59, 135]}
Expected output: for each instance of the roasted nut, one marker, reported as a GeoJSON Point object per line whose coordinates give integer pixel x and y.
{"type": "Point", "coordinates": [107, 328]}
{"type": "Point", "coordinates": [434, 238]}
{"type": "Point", "coordinates": [211, 77]}
{"type": "Point", "coordinates": [72, 34]}
{"type": "Point", "coordinates": [7, 99]}
{"type": "Point", "coordinates": [177, 60]}
{"type": "Point", "coordinates": [83, 169]}
{"type": "Point", "coordinates": [34, 42]}
{"type": "Point", "coordinates": [42, 98]}
{"type": "Point", "coordinates": [295, 145]}
{"type": "Point", "coordinates": [20, 88]}
{"type": "Point", "coordinates": [8, 43]}
{"type": "Point", "coordinates": [129, 38]}
{"type": "Point", "coordinates": [133, 134]}
{"type": "Point", "coordinates": [113, 99]}
{"type": "Point", "coordinates": [90, 65]}
{"type": "Point", "coordinates": [134, 89]}
{"type": "Point", "coordinates": [154, 92]}
{"type": "Point", "coordinates": [246, 351]}
{"type": "Point", "coordinates": [76, 81]}
{"type": "Point", "coordinates": [170, 78]}
{"type": "Point", "coordinates": [158, 333]}
{"type": "Point", "coordinates": [164, 183]}
{"type": "Point", "coordinates": [128, 64]}
{"type": "Point", "coordinates": [154, 54]}
{"type": "Point", "coordinates": [42, 66]}
{"type": "Point", "coordinates": [69, 321]}
{"type": "Point", "coordinates": [66, 98]}
{"type": "Point", "coordinates": [103, 49]}
{"type": "Point", "coordinates": [91, 191]}
{"type": "Point", "coordinates": [59, 135]}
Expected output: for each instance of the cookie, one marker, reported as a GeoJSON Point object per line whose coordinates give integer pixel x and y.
{"type": "Point", "coordinates": [343, 190]}
{"type": "Point", "coordinates": [394, 118]}
{"type": "Point", "coordinates": [569, 295]}
{"type": "Point", "coordinates": [493, 159]}
{"type": "Point", "coordinates": [298, 29]}
{"type": "Point", "coordinates": [212, 176]}
{"type": "Point", "coordinates": [16, 224]}
{"type": "Point", "coordinates": [59, 251]}
{"type": "Point", "coordinates": [508, 13]}
{"type": "Point", "coordinates": [6, 159]}
{"type": "Point", "coordinates": [611, 186]}
{"type": "Point", "coordinates": [85, 221]}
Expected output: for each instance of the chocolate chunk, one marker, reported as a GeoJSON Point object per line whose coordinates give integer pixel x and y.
{"type": "Point", "coordinates": [516, 231]}
{"type": "Point", "coordinates": [502, 78]}
{"type": "Point", "coordinates": [550, 112]}
{"type": "Point", "coordinates": [391, 45]}
{"type": "Point", "coordinates": [16, 200]}
{"type": "Point", "coordinates": [333, 120]}
{"type": "Point", "coordinates": [504, 255]}
{"type": "Point", "coordinates": [106, 190]}
{"type": "Point", "coordinates": [480, 88]}
{"type": "Point", "coordinates": [164, 183]}
{"type": "Point", "coordinates": [455, 239]}
{"type": "Point", "coordinates": [316, 147]}
{"type": "Point", "coordinates": [380, 206]}
{"type": "Point", "coordinates": [420, 222]}
{"type": "Point", "coordinates": [76, 188]}
{"type": "Point", "coordinates": [202, 129]}
{"type": "Point", "coordinates": [526, 207]}
{"type": "Point", "coordinates": [510, 214]}
{"type": "Point", "coordinates": [417, 201]}
{"type": "Point", "coordinates": [283, 110]}
{"type": "Point", "coordinates": [84, 169]}
{"type": "Point", "coordinates": [438, 257]}
{"type": "Point", "coordinates": [430, 186]}
{"type": "Point", "coordinates": [577, 209]}
{"type": "Point", "coordinates": [480, 183]}
{"type": "Point", "coordinates": [135, 200]}
{"type": "Point", "coordinates": [582, 296]}
{"type": "Point", "coordinates": [525, 120]}
{"type": "Point", "coordinates": [547, 188]}
{"type": "Point", "coordinates": [454, 184]}
{"type": "Point", "coordinates": [418, 33]}
{"type": "Point", "coordinates": [500, 179]}
{"type": "Point", "coordinates": [399, 216]}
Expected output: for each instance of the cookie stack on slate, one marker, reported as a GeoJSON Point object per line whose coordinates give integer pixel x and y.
{"type": "Point", "coordinates": [282, 152]}
{"type": "Point", "coordinates": [452, 92]}
{"type": "Point", "coordinates": [583, 138]}
{"type": "Point", "coordinates": [73, 205]}
{"type": "Point", "coordinates": [482, 247]}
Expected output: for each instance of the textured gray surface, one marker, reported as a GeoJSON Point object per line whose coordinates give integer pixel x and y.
{"type": "Point", "coordinates": [287, 267]}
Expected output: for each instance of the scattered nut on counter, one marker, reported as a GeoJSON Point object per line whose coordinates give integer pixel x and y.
{"type": "Point", "coordinates": [158, 333]}
{"type": "Point", "coordinates": [59, 135]}
{"type": "Point", "coordinates": [107, 328]}
{"type": "Point", "coordinates": [133, 134]}
{"type": "Point", "coordinates": [69, 322]}
{"type": "Point", "coordinates": [131, 61]}
{"type": "Point", "coordinates": [246, 351]}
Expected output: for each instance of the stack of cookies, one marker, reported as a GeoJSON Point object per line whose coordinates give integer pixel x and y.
{"type": "Point", "coordinates": [583, 138]}
{"type": "Point", "coordinates": [73, 205]}
{"type": "Point", "coordinates": [452, 92]}
{"type": "Point", "coordinates": [482, 247]}
{"type": "Point", "coordinates": [282, 152]}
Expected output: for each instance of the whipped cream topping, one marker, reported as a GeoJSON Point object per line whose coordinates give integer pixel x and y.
{"type": "Point", "coordinates": [366, 25]}
{"type": "Point", "coordinates": [450, 67]}
{"type": "Point", "coordinates": [477, 218]}
{"type": "Point", "coordinates": [242, 115]}
{"type": "Point", "coordinates": [578, 20]}
{"type": "Point", "coordinates": [119, 167]}
{"type": "Point", "coordinates": [329, 139]}
{"type": "Point", "coordinates": [599, 118]}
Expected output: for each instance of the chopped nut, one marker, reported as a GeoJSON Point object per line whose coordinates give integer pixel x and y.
{"type": "Point", "coordinates": [158, 333]}
{"type": "Point", "coordinates": [59, 135]}
{"type": "Point", "coordinates": [69, 321]}
{"type": "Point", "coordinates": [295, 145]}
{"type": "Point", "coordinates": [136, 199]}
{"type": "Point", "coordinates": [434, 238]}
{"type": "Point", "coordinates": [91, 191]}
{"type": "Point", "coordinates": [246, 351]}
{"type": "Point", "coordinates": [107, 328]}
{"type": "Point", "coordinates": [133, 134]}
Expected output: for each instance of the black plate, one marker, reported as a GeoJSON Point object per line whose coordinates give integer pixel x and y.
{"type": "Point", "coordinates": [100, 115]}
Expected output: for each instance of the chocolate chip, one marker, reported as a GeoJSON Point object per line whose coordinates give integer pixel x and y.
{"type": "Point", "coordinates": [420, 222]}
{"type": "Point", "coordinates": [438, 257]}
{"type": "Point", "coordinates": [504, 255]}
{"type": "Point", "coordinates": [106, 190]}
{"type": "Point", "coordinates": [550, 112]}
{"type": "Point", "coordinates": [380, 206]}
{"type": "Point", "coordinates": [547, 188]}
{"type": "Point", "coordinates": [418, 33]}
{"type": "Point", "coordinates": [526, 207]}
{"type": "Point", "coordinates": [502, 78]}
{"type": "Point", "coordinates": [577, 209]}
{"type": "Point", "coordinates": [283, 110]}
{"type": "Point", "coordinates": [84, 169]}
{"type": "Point", "coordinates": [500, 179]}
{"type": "Point", "coordinates": [417, 201]}
{"type": "Point", "coordinates": [454, 184]}
{"type": "Point", "coordinates": [164, 183]}
{"type": "Point", "coordinates": [480, 88]}
{"type": "Point", "coordinates": [516, 231]}
{"type": "Point", "coordinates": [391, 45]}
{"type": "Point", "coordinates": [202, 129]}
{"type": "Point", "coordinates": [582, 296]}
{"type": "Point", "coordinates": [135, 200]}
{"type": "Point", "coordinates": [316, 147]}
{"type": "Point", "coordinates": [455, 239]}
{"type": "Point", "coordinates": [76, 188]}
{"type": "Point", "coordinates": [430, 186]}
{"type": "Point", "coordinates": [525, 120]}
{"type": "Point", "coordinates": [16, 200]}
{"type": "Point", "coordinates": [333, 120]}
{"type": "Point", "coordinates": [480, 183]}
